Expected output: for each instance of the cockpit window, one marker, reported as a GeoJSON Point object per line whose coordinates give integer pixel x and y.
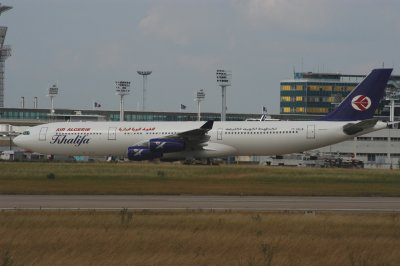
{"type": "Point", "coordinates": [26, 133]}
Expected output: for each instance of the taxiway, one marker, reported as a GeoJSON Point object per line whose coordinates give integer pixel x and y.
{"type": "Point", "coordinates": [188, 202]}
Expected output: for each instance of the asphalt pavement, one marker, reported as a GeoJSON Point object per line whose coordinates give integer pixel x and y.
{"type": "Point", "coordinates": [188, 202]}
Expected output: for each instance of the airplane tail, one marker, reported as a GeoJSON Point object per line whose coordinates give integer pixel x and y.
{"type": "Point", "coordinates": [362, 102]}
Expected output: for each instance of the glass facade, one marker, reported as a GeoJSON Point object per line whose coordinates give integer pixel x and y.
{"type": "Point", "coordinates": [43, 115]}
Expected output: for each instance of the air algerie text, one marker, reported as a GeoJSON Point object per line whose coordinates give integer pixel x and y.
{"type": "Point", "coordinates": [75, 140]}
{"type": "Point", "coordinates": [73, 129]}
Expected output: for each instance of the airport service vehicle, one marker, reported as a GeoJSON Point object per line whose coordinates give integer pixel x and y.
{"type": "Point", "coordinates": [197, 140]}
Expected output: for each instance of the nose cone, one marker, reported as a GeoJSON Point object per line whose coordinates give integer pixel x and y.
{"type": "Point", "coordinates": [19, 141]}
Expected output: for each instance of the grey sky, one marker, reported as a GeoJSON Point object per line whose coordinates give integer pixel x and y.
{"type": "Point", "coordinates": [86, 45]}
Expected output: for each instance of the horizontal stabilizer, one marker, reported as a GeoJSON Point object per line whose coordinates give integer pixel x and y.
{"type": "Point", "coordinates": [354, 128]}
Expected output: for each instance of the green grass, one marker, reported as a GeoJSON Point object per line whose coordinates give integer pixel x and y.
{"type": "Point", "coordinates": [198, 238]}
{"type": "Point", "coordinates": [147, 178]}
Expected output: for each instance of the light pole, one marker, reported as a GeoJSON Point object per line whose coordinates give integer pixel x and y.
{"type": "Point", "coordinates": [144, 74]}
{"type": "Point", "coordinates": [224, 78]}
{"type": "Point", "coordinates": [53, 92]}
{"type": "Point", "coordinates": [199, 97]}
{"type": "Point", "coordinates": [5, 52]}
{"type": "Point", "coordinates": [122, 88]}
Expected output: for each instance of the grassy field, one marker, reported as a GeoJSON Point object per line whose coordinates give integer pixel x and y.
{"type": "Point", "coordinates": [145, 178]}
{"type": "Point", "coordinates": [198, 238]}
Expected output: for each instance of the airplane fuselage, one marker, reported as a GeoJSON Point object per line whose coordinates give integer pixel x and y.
{"type": "Point", "coordinates": [226, 138]}
{"type": "Point", "coordinates": [188, 140]}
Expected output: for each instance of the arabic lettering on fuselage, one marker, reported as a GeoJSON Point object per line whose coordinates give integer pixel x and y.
{"type": "Point", "coordinates": [252, 129]}
{"type": "Point", "coordinates": [135, 129]}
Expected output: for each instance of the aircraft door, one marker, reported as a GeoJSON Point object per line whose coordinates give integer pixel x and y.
{"type": "Point", "coordinates": [310, 131]}
{"type": "Point", "coordinates": [112, 133]}
{"type": "Point", "coordinates": [219, 133]}
{"type": "Point", "coordinates": [42, 134]}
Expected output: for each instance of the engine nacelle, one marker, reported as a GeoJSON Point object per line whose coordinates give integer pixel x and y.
{"type": "Point", "coordinates": [166, 145]}
{"type": "Point", "coordinates": [141, 153]}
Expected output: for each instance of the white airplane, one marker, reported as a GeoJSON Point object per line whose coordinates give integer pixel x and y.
{"type": "Point", "coordinates": [196, 140]}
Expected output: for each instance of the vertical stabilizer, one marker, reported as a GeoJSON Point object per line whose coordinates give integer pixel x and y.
{"type": "Point", "coordinates": [362, 102]}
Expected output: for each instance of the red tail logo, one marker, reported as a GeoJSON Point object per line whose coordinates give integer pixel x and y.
{"type": "Point", "coordinates": [361, 103]}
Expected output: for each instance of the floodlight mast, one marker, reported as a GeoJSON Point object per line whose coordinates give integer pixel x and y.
{"type": "Point", "coordinates": [5, 52]}
{"type": "Point", "coordinates": [199, 97]}
{"type": "Point", "coordinates": [224, 78]}
{"type": "Point", "coordinates": [53, 92]}
{"type": "Point", "coordinates": [122, 89]}
{"type": "Point", "coordinates": [144, 74]}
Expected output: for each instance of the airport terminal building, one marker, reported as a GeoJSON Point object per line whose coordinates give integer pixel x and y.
{"type": "Point", "coordinates": [319, 93]}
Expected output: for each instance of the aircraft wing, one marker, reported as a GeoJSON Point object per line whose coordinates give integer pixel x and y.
{"type": "Point", "coordinates": [197, 134]}
{"type": "Point", "coordinates": [194, 138]}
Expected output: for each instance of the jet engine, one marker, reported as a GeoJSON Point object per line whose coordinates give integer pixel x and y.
{"type": "Point", "coordinates": [141, 153]}
{"type": "Point", "coordinates": [166, 145]}
{"type": "Point", "coordinates": [155, 149]}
